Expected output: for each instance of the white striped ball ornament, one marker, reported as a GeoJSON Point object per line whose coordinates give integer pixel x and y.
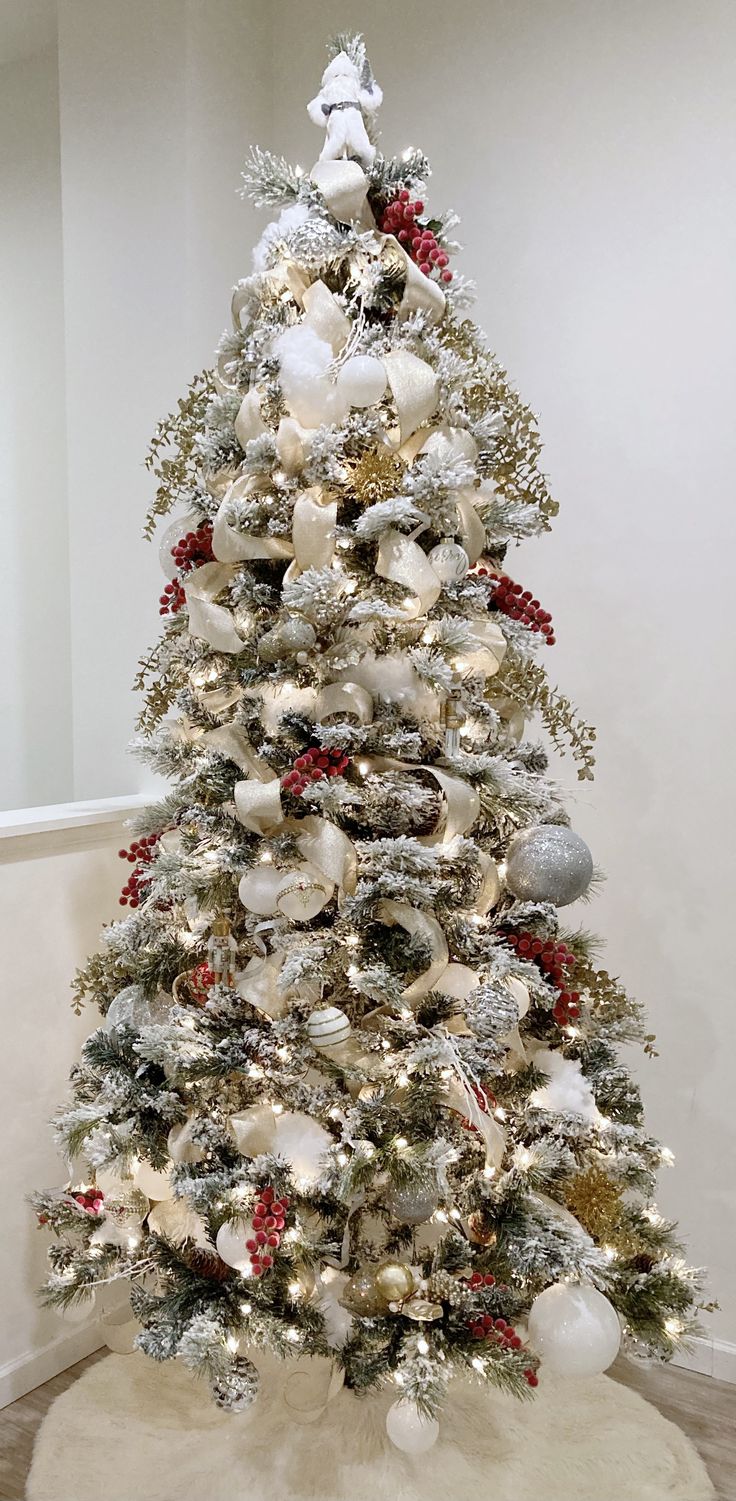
{"type": "Point", "coordinates": [327, 1027]}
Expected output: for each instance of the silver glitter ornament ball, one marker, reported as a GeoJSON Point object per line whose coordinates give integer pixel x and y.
{"type": "Point", "coordinates": [412, 1205]}
{"type": "Point", "coordinates": [237, 1387]}
{"type": "Point", "coordinates": [548, 863]}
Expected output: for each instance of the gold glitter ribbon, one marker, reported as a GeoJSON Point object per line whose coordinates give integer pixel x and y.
{"type": "Point", "coordinates": [417, 923]}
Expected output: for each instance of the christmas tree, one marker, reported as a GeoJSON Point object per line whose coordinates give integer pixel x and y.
{"type": "Point", "coordinates": [357, 1090]}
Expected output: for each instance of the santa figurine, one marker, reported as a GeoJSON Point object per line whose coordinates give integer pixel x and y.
{"type": "Point", "coordinates": [340, 106]}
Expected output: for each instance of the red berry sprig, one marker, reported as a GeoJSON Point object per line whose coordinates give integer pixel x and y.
{"type": "Point", "coordinates": [91, 1199]}
{"type": "Point", "coordinates": [269, 1218]}
{"type": "Point", "coordinates": [314, 766]}
{"type": "Point", "coordinates": [517, 602]}
{"type": "Point", "coordinates": [483, 1326]}
{"type": "Point", "coordinates": [401, 218]}
{"type": "Point", "coordinates": [191, 551]}
{"type": "Point", "coordinates": [554, 959]}
{"type": "Point", "coordinates": [140, 854]}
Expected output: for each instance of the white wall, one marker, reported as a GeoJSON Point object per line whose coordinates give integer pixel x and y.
{"type": "Point", "coordinates": [35, 745]}
{"type": "Point", "coordinates": [56, 890]}
{"type": "Point", "coordinates": [589, 149]}
{"type": "Point", "coordinates": [158, 104]}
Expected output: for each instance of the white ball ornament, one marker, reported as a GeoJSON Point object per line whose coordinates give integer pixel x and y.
{"type": "Point", "coordinates": [408, 1430]}
{"type": "Point", "coordinates": [230, 1243]}
{"type": "Point", "coordinates": [574, 1330]}
{"type": "Point", "coordinates": [327, 1027]}
{"type": "Point", "coordinates": [362, 380]}
{"type": "Point", "coordinates": [449, 561]}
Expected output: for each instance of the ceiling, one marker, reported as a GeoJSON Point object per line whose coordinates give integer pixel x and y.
{"type": "Point", "coordinates": [26, 26]}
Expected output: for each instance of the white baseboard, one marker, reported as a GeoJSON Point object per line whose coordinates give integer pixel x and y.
{"type": "Point", "coordinates": [28, 1371]}
{"type": "Point", "coordinates": [710, 1357]}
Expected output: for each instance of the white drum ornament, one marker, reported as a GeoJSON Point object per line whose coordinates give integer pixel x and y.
{"type": "Point", "coordinates": [362, 380]}
{"type": "Point", "coordinates": [327, 1027]}
{"type": "Point", "coordinates": [574, 1330]}
{"type": "Point", "coordinates": [449, 561]}
{"type": "Point", "coordinates": [408, 1430]}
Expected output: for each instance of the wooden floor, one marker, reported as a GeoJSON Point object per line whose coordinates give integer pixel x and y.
{"type": "Point", "coordinates": [704, 1409]}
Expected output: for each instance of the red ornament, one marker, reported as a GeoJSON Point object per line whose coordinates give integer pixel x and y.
{"type": "Point", "coordinates": [190, 552]}
{"type": "Point", "coordinates": [401, 218]}
{"type": "Point", "coordinates": [140, 854]}
{"type": "Point", "coordinates": [554, 959]}
{"type": "Point", "coordinates": [516, 602]}
{"type": "Point", "coordinates": [200, 981]}
{"type": "Point", "coordinates": [267, 1221]}
{"type": "Point", "coordinates": [316, 764]}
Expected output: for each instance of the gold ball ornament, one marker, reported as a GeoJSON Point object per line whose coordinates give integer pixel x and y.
{"type": "Point", "coordinates": [394, 1280]}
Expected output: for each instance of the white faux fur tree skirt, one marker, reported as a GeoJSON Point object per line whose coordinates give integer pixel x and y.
{"type": "Point", "coordinates": [129, 1430]}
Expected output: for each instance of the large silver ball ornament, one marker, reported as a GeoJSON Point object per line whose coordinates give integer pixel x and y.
{"type": "Point", "coordinates": [548, 863]}
{"type": "Point", "coordinates": [413, 1205]}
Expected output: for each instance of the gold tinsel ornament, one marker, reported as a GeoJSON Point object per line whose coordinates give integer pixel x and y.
{"type": "Point", "coordinates": [597, 1202]}
{"type": "Point", "coordinates": [376, 476]}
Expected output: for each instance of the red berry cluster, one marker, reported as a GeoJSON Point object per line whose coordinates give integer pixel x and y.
{"type": "Point", "coordinates": [484, 1326]}
{"type": "Point", "coordinates": [516, 602]}
{"type": "Point", "coordinates": [269, 1218]}
{"type": "Point", "coordinates": [499, 1331]}
{"type": "Point", "coordinates": [140, 854]}
{"type": "Point", "coordinates": [191, 551]}
{"type": "Point", "coordinates": [314, 766]}
{"type": "Point", "coordinates": [480, 1279]}
{"type": "Point", "coordinates": [91, 1199]}
{"type": "Point", "coordinates": [400, 217]}
{"type": "Point", "coordinates": [553, 960]}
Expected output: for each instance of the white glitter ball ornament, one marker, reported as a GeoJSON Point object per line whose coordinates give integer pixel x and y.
{"type": "Point", "coordinates": [327, 1027]}
{"type": "Point", "coordinates": [548, 863]}
{"type": "Point", "coordinates": [574, 1330]}
{"type": "Point", "coordinates": [408, 1430]}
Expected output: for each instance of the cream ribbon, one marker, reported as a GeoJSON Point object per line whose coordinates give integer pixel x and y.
{"type": "Point", "coordinates": [313, 532]}
{"type": "Point", "coordinates": [344, 700]}
{"type": "Point", "coordinates": [343, 185]}
{"type": "Point", "coordinates": [461, 803]}
{"type": "Point", "coordinates": [249, 423]}
{"type": "Point", "coordinates": [329, 858]}
{"type": "Point", "coordinates": [413, 921]}
{"type": "Point", "coordinates": [232, 742]}
{"type": "Point", "coordinates": [209, 621]}
{"type": "Point", "coordinates": [231, 546]}
{"type": "Point", "coordinates": [324, 314]}
{"type": "Point", "coordinates": [459, 1094]}
{"type": "Point", "coordinates": [414, 388]}
{"type": "Point", "coordinates": [489, 649]}
{"type": "Point", "coordinates": [404, 562]}
{"type": "Point", "coordinates": [420, 294]}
